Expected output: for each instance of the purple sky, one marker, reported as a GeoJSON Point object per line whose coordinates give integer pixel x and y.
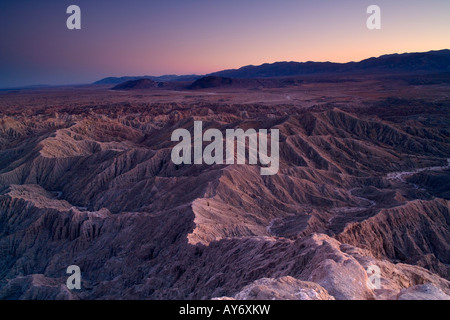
{"type": "Point", "coordinates": [145, 37]}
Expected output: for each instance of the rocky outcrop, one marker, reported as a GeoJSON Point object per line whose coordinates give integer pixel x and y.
{"type": "Point", "coordinates": [415, 233]}
{"type": "Point", "coordinates": [285, 288]}
{"type": "Point", "coordinates": [423, 292]}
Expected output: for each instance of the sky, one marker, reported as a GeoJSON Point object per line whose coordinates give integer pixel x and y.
{"type": "Point", "coordinates": [146, 37]}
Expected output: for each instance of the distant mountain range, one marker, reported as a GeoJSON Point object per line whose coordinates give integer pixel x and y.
{"type": "Point", "coordinates": [165, 78]}
{"type": "Point", "coordinates": [422, 62]}
{"type": "Point", "coordinates": [137, 84]}
{"type": "Point", "coordinates": [432, 61]}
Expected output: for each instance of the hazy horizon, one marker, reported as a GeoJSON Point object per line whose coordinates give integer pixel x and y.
{"type": "Point", "coordinates": [185, 37]}
{"type": "Point", "coordinates": [175, 74]}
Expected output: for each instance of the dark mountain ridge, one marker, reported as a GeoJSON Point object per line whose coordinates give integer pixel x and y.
{"type": "Point", "coordinates": [432, 61]}
{"type": "Point", "coordinates": [137, 84]}
{"type": "Point", "coordinates": [165, 78]}
{"type": "Point", "coordinates": [406, 63]}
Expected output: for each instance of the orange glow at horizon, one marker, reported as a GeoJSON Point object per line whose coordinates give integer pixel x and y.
{"type": "Point", "coordinates": [204, 36]}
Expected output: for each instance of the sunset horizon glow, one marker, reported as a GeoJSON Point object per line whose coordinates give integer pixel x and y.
{"type": "Point", "coordinates": [140, 37]}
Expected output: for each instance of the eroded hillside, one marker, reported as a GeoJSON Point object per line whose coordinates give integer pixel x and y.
{"type": "Point", "coordinates": [87, 179]}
